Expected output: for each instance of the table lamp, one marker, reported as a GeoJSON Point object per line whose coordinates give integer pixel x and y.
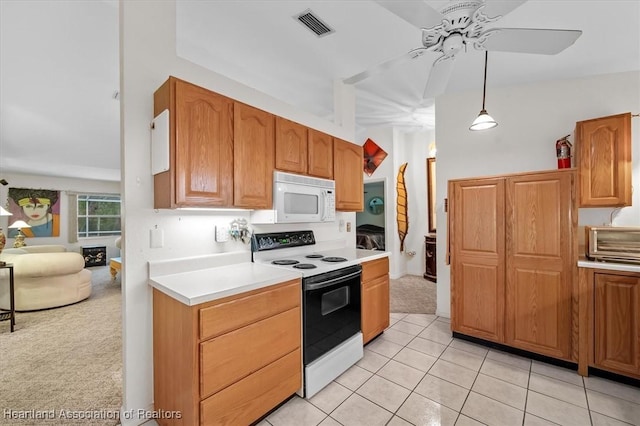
{"type": "Point", "coordinates": [19, 224]}
{"type": "Point", "coordinates": [3, 238]}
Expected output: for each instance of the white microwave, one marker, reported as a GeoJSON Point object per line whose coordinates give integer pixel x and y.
{"type": "Point", "coordinates": [299, 199]}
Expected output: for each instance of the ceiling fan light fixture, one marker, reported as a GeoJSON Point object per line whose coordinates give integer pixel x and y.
{"type": "Point", "coordinates": [483, 121]}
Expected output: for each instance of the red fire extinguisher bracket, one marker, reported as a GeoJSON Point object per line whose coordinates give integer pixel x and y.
{"type": "Point", "coordinates": [563, 152]}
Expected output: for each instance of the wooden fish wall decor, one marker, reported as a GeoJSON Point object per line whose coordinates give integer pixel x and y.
{"type": "Point", "coordinates": [401, 206]}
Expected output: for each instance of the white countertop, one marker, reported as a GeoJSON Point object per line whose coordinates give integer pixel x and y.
{"type": "Point", "coordinates": [611, 266]}
{"type": "Point", "coordinates": [207, 281]}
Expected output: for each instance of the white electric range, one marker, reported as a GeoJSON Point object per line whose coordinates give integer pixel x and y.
{"type": "Point", "coordinates": [331, 306]}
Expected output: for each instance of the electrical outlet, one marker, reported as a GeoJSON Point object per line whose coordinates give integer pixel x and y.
{"type": "Point", "coordinates": [157, 238]}
{"type": "Point", "coordinates": [222, 234]}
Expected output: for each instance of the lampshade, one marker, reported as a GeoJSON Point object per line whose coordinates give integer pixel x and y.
{"type": "Point", "coordinates": [483, 121]}
{"type": "Point", "coordinates": [3, 212]}
{"type": "Point", "coordinates": [19, 224]}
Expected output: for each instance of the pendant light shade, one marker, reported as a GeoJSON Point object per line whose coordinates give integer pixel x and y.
{"type": "Point", "coordinates": [484, 121]}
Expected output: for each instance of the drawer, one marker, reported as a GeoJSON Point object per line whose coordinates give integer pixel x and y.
{"type": "Point", "coordinates": [252, 397]}
{"type": "Point", "coordinates": [375, 268]}
{"type": "Point", "coordinates": [237, 311]}
{"type": "Point", "coordinates": [234, 355]}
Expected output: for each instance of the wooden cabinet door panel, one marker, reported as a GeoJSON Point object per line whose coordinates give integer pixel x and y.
{"type": "Point", "coordinates": [617, 323]}
{"type": "Point", "coordinates": [477, 300]}
{"type": "Point", "coordinates": [247, 400]}
{"type": "Point", "coordinates": [374, 269]}
{"type": "Point", "coordinates": [231, 313]}
{"type": "Point", "coordinates": [604, 161]}
{"type": "Point", "coordinates": [254, 151]}
{"type": "Point", "coordinates": [539, 263]}
{"type": "Point", "coordinates": [375, 307]}
{"type": "Point", "coordinates": [476, 208]}
{"type": "Point", "coordinates": [347, 172]}
{"type": "Point", "coordinates": [291, 146]}
{"type": "Point", "coordinates": [232, 356]}
{"type": "Point", "coordinates": [204, 147]}
{"type": "Point", "coordinates": [320, 160]}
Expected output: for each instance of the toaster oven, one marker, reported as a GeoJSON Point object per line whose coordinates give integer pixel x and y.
{"type": "Point", "coordinates": [613, 243]}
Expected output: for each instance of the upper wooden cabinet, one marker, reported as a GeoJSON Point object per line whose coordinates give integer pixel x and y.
{"type": "Point", "coordinates": [200, 147]}
{"type": "Point", "coordinates": [291, 146]}
{"type": "Point", "coordinates": [604, 161]}
{"type": "Point", "coordinates": [513, 256]}
{"type": "Point", "coordinates": [254, 151]}
{"type": "Point", "coordinates": [320, 154]}
{"type": "Point", "coordinates": [347, 172]}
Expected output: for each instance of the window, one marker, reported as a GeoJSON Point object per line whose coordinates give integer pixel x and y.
{"type": "Point", "coordinates": [98, 215]}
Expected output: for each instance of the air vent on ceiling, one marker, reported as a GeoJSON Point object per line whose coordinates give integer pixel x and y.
{"type": "Point", "coordinates": [315, 24]}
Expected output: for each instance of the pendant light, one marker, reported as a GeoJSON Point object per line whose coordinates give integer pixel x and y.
{"type": "Point", "coordinates": [484, 121]}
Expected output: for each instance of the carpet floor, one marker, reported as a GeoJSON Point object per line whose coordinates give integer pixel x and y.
{"type": "Point", "coordinates": [65, 362]}
{"type": "Point", "coordinates": [412, 294]}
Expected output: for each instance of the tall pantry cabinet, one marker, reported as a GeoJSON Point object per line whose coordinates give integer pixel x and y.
{"type": "Point", "coordinates": [512, 247]}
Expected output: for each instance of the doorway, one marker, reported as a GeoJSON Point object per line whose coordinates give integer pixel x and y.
{"type": "Point", "coordinates": [370, 223]}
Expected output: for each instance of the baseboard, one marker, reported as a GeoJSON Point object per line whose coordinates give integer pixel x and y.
{"type": "Point", "coordinates": [443, 314]}
{"type": "Point", "coordinates": [520, 352]}
{"type": "Point", "coordinates": [614, 376]}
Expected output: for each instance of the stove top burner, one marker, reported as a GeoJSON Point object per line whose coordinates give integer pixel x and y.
{"type": "Point", "coordinates": [314, 256]}
{"type": "Point", "coordinates": [305, 266]}
{"type": "Point", "coordinates": [285, 262]}
{"type": "Point", "coordinates": [333, 259]}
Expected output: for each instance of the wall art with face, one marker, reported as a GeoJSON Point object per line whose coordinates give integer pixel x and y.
{"type": "Point", "coordinates": [39, 208]}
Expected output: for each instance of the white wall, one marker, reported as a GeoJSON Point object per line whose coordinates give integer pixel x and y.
{"type": "Point", "coordinates": [531, 118]}
{"type": "Point", "coordinates": [148, 58]}
{"type": "Point", "coordinates": [65, 186]}
{"type": "Point", "coordinates": [412, 148]}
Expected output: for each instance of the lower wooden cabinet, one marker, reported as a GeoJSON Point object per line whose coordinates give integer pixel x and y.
{"type": "Point", "coordinates": [617, 323]}
{"type": "Point", "coordinates": [375, 298]}
{"type": "Point", "coordinates": [228, 361]}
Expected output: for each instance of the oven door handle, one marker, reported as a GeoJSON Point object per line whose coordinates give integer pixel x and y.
{"type": "Point", "coordinates": [323, 284]}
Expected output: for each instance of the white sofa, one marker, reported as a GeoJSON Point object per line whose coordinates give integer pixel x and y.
{"type": "Point", "coordinates": [45, 276]}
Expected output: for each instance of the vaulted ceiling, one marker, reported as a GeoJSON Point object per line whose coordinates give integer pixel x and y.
{"type": "Point", "coordinates": [59, 65]}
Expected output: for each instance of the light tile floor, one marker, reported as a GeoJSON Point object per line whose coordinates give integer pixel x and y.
{"type": "Point", "coordinates": [416, 374]}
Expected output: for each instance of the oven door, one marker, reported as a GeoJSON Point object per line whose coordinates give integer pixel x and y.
{"type": "Point", "coordinates": [331, 310]}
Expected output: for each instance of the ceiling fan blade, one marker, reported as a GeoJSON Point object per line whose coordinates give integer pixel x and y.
{"type": "Point", "coordinates": [417, 13]}
{"type": "Point", "coordinates": [438, 78]}
{"type": "Point", "coordinates": [530, 40]}
{"type": "Point", "coordinates": [377, 69]}
{"type": "Point", "coordinates": [493, 8]}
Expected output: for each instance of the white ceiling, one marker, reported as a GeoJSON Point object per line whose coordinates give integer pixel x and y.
{"type": "Point", "coordinates": [59, 65]}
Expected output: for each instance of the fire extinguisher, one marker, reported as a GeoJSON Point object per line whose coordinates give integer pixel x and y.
{"type": "Point", "coordinates": [563, 152]}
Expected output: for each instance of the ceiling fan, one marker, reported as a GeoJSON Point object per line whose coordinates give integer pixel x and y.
{"type": "Point", "coordinates": [460, 25]}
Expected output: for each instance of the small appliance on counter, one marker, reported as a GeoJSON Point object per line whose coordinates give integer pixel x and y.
{"type": "Point", "coordinates": [331, 329]}
{"type": "Point", "coordinates": [299, 199]}
{"type": "Point", "coordinates": [613, 243]}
